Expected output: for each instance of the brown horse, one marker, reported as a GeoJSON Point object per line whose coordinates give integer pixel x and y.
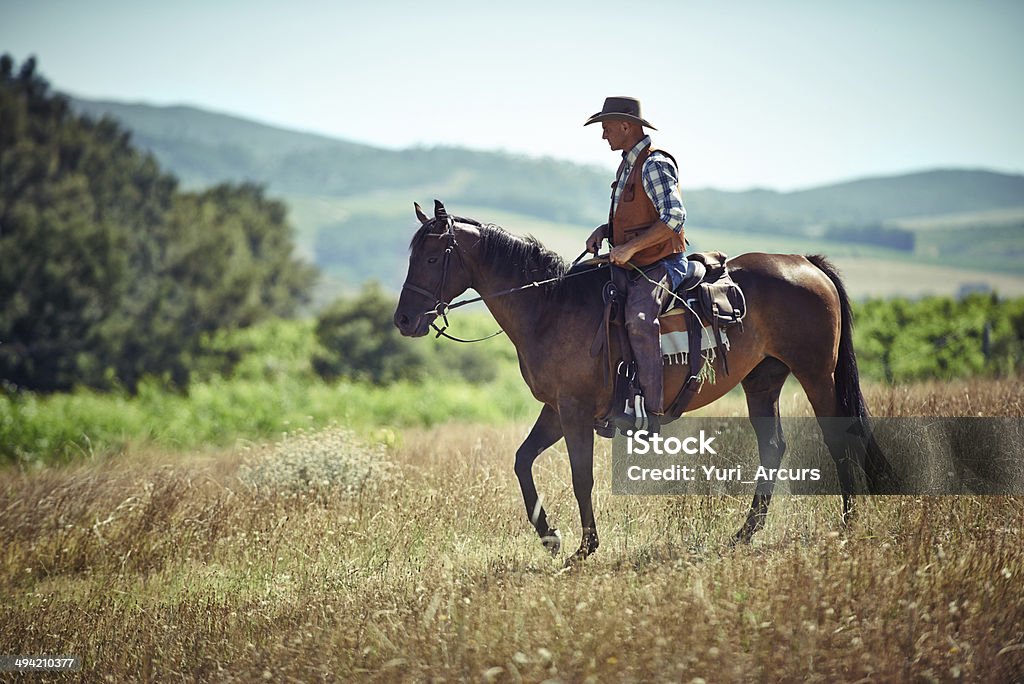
{"type": "Point", "coordinates": [798, 322]}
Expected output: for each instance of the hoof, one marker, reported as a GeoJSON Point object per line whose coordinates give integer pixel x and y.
{"type": "Point", "coordinates": [849, 518]}
{"type": "Point", "coordinates": [587, 547]}
{"type": "Point", "coordinates": [741, 538]}
{"type": "Point", "coordinates": [552, 542]}
{"type": "Point", "coordinates": [576, 559]}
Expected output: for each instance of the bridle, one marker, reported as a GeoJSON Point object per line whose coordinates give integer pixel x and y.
{"type": "Point", "coordinates": [442, 307]}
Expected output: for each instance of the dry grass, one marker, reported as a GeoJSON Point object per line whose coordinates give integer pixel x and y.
{"type": "Point", "coordinates": [207, 567]}
{"type": "Point", "coordinates": [978, 397]}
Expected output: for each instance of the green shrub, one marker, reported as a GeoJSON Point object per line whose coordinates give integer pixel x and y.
{"type": "Point", "coordinates": [358, 341]}
{"type": "Point", "coordinates": [939, 337]}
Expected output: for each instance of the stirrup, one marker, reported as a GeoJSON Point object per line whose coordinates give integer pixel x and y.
{"type": "Point", "coordinates": [634, 417]}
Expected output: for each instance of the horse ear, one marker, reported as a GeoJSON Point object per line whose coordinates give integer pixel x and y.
{"type": "Point", "coordinates": [419, 213]}
{"type": "Point", "coordinates": [439, 210]}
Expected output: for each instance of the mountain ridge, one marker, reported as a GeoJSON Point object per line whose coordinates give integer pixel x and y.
{"type": "Point", "coordinates": [205, 147]}
{"type": "Point", "coordinates": [351, 203]}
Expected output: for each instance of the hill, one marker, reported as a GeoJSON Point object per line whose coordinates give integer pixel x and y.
{"type": "Point", "coordinates": [870, 200]}
{"type": "Point", "coordinates": [201, 148]}
{"type": "Point", "coordinates": [351, 202]}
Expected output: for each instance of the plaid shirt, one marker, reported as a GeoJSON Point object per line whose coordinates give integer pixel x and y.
{"type": "Point", "coordinates": [661, 183]}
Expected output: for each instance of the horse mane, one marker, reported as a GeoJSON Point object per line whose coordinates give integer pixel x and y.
{"type": "Point", "coordinates": [527, 258]}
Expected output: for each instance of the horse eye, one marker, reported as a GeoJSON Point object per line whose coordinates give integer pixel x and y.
{"type": "Point", "coordinates": [432, 260]}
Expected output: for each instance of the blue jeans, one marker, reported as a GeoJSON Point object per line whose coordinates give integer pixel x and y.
{"type": "Point", "coordinates": [675, 265]}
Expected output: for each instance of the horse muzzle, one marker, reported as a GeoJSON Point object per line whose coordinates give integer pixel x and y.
{"type": "Point", "coordinates": [417, 326]}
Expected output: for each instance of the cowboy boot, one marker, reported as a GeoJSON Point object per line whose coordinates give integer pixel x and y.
{"type": "Point", "coordinates": [646, 343]}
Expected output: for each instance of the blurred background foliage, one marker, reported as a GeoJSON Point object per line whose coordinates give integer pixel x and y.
{"type": "Point", "coordinates": [133, 311]}
{"type": "Point", "coordinates": [899, 340]}
{"type": "Point", "coordinates": [358, 341]}
{"type": "Point", "coordinates": [110, 272]}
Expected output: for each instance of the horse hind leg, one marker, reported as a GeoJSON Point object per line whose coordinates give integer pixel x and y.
{"type": "Point", "coordinates": [844, 447]}
{"type": "Point", "coordinates": [546, 431]}
{"type": "Point", "coordinates": [763, 385]}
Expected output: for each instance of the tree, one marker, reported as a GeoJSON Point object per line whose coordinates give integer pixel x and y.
{"type": "Point", "coordinates": [360, 342]}
{"type": "Point", "coordinates": [109, 272]}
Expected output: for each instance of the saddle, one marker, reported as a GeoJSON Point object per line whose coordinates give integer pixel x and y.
{"type": "Point", "coordinates": [710, 299]}
{"type": "Point", "coordinates": [707, 297]}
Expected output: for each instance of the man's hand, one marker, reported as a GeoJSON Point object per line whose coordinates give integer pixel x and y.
{"type": "Point", "coordinates": [596, 238]}
{"type": "Point", "coordinates": [621, 254]}
{"type": "Point", "coordinates": [656, 234]}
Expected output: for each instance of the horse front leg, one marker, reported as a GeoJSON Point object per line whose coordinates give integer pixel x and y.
{"type": "Point", "coordinates": [578, 428]}
{"type": "Point", "coordinates": [546, 431]}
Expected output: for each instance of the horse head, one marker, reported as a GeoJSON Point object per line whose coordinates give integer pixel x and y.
{"type": "Point", "coordinates": [437, 271]}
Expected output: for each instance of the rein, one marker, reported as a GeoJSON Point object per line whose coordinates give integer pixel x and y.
{"type": "Point", "coordinates": [441, 307]}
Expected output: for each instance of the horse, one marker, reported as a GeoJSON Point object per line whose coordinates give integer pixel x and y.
{"type": "Point", "coordinates": [798, 322]}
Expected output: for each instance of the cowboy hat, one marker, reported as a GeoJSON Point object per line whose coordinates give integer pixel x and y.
{"type": "Point", "coordinates": [627, 108]}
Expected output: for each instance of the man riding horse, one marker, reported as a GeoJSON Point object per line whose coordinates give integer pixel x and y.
{"type": "Point", "coordinates": [799, 322]}
{"type": "Point", "coordinates": [645, 229]}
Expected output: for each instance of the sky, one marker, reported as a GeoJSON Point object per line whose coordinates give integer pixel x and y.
{"type": "Point", "coordinates": [780, 95]}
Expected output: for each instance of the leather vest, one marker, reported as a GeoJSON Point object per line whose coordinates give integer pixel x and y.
{"type": "Point", "coordinates": [636, 213]}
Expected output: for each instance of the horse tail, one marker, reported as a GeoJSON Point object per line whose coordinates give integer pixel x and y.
{"type": "Point", "coordinates": [881, 477]}
{"type": "Point", "coordinates": [850, 401]}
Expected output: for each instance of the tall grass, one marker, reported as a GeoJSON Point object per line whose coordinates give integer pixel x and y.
{"type": "Point", "coordinates": [227, 567]}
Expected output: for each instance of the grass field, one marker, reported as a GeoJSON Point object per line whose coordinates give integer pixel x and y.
{"type": "Point", "coordinates": [992, 217]}
{"type": "Point", "coordinates": [321, 559]}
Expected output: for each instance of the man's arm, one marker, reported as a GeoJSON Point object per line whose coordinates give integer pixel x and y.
{"type": "Point", "coordinates": [661, 183]}
{"type": "Point", "coordinates": [654, 235]}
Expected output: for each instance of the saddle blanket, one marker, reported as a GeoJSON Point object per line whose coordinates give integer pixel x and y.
{"type": "Point", "coordinates": [675, 340]}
